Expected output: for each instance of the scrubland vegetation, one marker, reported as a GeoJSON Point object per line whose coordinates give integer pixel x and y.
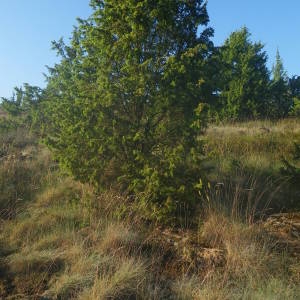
{"type": "Point", "coordinates": [61, 239]}
{"type": "Point", "coordinates": [153, 165]}
{"type": "Point", "coordinates": [257, 153]}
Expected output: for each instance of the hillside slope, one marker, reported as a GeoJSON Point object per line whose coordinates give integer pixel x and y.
{"type": "Point", "coordinates": [62, 240]}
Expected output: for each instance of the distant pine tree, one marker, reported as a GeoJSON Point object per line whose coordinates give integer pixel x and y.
{"type": "Point", "coordinates": [278, 71]}
{"type": "Point", "coordinates": [280, 101]}
{"type": "Point", "coordinates": [245, 77]}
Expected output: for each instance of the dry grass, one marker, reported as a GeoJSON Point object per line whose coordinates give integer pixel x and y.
{"type": "Point", "coordinates": [123, 282]}
{"type": "Point", "coordinates": [252, 270]}
{"type": "Point", "coordinates": [236, 152]}
{"type": "Point", "coordinates": [62, 250]}
{"type": "Point", "coordinates": [33, 269]}
{"type": "Point", "coordinates": [267, 141]}
{"type": "Point", "coordinates": [67, 242]}
{"type": "Point", "coordinates": [272, 289]}
{"type": "Point", "coordinates": [285, 126]}
{"type": "Point", "coordinates": [105, 260]}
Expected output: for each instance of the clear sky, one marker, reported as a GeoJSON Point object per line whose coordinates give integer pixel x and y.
{"type": "Point", "coordinates": [275, 23]}
{"type": "Point", "coordinates": [27, 28]}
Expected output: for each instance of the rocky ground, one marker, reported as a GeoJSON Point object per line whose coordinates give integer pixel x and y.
{"type": "Point", "coordinates": [285, 228]}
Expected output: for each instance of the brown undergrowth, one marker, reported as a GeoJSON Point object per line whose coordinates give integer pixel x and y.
{"type": "Point", "coordinates": [68, 242]}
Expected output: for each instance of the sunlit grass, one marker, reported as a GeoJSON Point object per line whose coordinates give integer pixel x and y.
{"type": "Point", "coordinates": [69, 242]}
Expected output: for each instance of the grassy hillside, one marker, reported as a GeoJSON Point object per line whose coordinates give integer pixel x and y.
{"type": "Point", "coordinates": [252, 154]}
{"type": "Point", "coordinates": [62, 240]}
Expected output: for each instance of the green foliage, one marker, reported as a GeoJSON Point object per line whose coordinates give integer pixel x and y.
{"type": "Point", "coordinates": [21, 110]}
{"type": "Point", "coordinates": [294, 86]}
{"type": "Point", "coordinates": [295, 110]}
{"type": "Point", "coordinates": [124, 104]}
{"type": "Point", "coordinates": [242, 84]}
{"type": "Point", "coordinates": [133, 91]}
{"type": "Point", "coordinates": [280, 101]}
{"type": "Point", "coordinates": [278, 69]}
{"type": "Point", "coordinates": [244, 77]}
{"type": "Point", "coordinates": [294, 90]}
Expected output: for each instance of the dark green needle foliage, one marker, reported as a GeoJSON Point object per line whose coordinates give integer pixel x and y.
{"type": "Point", "coordinates": [281, 100]}
{"type": "Point", "coordinates": [125, 104]}
{"type": "Point", "coordinates": [22, 108]}
{"type": "Point", "coordinates": [245, 77]}
{"type": "Point", "coordinates": [294, 89]}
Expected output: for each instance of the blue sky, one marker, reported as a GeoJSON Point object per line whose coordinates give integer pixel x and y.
{"type": "Point", "coordinates": [27, 28]}
{"type": "Point", "coordinates": [275, 23]}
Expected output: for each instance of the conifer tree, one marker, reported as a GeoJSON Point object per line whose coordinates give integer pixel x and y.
{"type": "Point", "coordinates": [245, 77]}
{"type": "Point", "coordinates": [294, 86]}
{"type": "Point", "coordinates": [278, 71]}
{"type": "Point", "coordinates": [23, 105]}
{"type": "Point", "coordinates": [125, 102]}
{"type": "Point", "coordinates": [280, 102]}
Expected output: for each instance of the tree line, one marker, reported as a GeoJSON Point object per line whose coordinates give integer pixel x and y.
{"type": "Point", "coordinates": [134, 90]}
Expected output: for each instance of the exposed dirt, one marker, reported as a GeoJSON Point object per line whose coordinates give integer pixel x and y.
{"type": "Point", "coordinates": [192, 253]}
{"type": "Point", "coordinates": [285, 228]}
